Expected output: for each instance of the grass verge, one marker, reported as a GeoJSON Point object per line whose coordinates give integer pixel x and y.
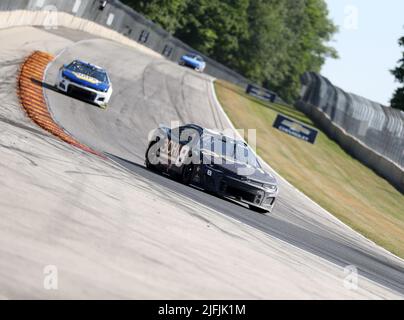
{"type": "Point", "coordinates": [323, 171]}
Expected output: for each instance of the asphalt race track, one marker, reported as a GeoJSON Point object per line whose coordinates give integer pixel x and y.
{"type": "Point", "coordinates": [149, 91]}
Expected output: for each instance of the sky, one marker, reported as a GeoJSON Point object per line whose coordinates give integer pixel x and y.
{"type": "Point", "coordinates": [367, 44]}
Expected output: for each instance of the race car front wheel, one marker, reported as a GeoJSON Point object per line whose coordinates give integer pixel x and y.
{"type": "Point", "coordinates": [188, 174]}
{"type": "Point", "coordinates": [151, 157]}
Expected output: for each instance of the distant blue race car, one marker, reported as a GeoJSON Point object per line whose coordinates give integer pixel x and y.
{"type": "Point", "coordinates": [85, 80]}
{"type": "Point", "coordinates": [193, 61]}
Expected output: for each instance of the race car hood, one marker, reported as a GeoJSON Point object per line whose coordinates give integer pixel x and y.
{"type": "Point", "coordinates": [191, 60]}
{"type": "Point", "coordinates": [239, 169]}
{"type": "Point", "coordinates": [85, 80]}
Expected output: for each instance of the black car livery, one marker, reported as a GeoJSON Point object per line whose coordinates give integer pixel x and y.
{"type": "Point", "coordinates": [215, 162]}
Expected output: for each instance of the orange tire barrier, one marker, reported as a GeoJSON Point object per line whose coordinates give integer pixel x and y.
{"type": "Point", "coordinates": [30, 92]}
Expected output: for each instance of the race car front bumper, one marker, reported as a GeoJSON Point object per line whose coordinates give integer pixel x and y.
{"type": "Point", "coordinates": [74, 89]}
{"type": "Point", "coordinates": [233, 187]}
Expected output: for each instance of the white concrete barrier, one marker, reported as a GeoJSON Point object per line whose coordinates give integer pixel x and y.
{"type": "Point", "coordinates": [45, 19]}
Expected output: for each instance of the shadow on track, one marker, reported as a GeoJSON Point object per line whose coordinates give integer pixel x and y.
{"type": "Point", "coordinates": [159, 178]}
{"type": "Point", "coordinates": [55, 89]}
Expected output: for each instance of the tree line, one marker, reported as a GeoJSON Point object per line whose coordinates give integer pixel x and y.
{"type": "Point", "coordinates": [398, 97]}
{"type": "Point", "coordinates": [271, 42]}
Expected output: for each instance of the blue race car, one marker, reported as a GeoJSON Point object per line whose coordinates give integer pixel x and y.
{"type": "Point", "coordinates": [193, 61]}
{"type": "Point", "coordinates": [86, 81]}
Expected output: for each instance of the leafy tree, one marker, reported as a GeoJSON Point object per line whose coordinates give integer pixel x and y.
{"type": "Point", "coordinates": [263, 50]}
{"type": "Point", "coordinates": [167, 13]}
{"type": "Point", "coordinates": [216, 28]}
{"type": "Point", "coordinates": [271, 42]}
{"type": "Point", "coordinates": [398, 98]}
{"type": "Point", "coordinates": [307, 30]}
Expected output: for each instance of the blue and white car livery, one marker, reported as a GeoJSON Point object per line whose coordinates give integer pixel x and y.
{"type": "Point", "coordinates": [85, 80]}
{"type": "Point", "coordinates": [194, 61]}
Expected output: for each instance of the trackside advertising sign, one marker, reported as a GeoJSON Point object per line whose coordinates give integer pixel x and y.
{"type": "Point", "coordinates": [261, 93]}
{"type": "Point", "coordinates": [295, 128]}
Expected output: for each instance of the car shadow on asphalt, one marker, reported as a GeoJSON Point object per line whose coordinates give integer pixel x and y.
{"type": "Point", "coordinates": [55, 89]}
{"type": "Point", "coordinates": [170, 182]}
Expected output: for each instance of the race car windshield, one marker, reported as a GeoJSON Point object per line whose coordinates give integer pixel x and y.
{"type": "Point", "coordinates": [193, 56]}
{"type": "Point", "coordinates": [88, 70]}
{"type": "Point", "coordinates": [230, 149]}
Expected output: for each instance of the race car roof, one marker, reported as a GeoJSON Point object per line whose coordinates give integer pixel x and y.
{"type": "Point", "coordinates": [214, 133]}
{"type": "Point", "coordinates": [88, 64]}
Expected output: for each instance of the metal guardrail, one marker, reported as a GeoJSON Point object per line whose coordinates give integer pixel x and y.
{"type": "Point", "coordinates": [370, 131]}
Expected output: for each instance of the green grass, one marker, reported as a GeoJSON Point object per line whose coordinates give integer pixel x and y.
{"type": "Point", "coordinates": [323, 171]}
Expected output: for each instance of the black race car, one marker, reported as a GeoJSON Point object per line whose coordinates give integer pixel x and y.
{"type": "Point", "coordinates": [217, 163]}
